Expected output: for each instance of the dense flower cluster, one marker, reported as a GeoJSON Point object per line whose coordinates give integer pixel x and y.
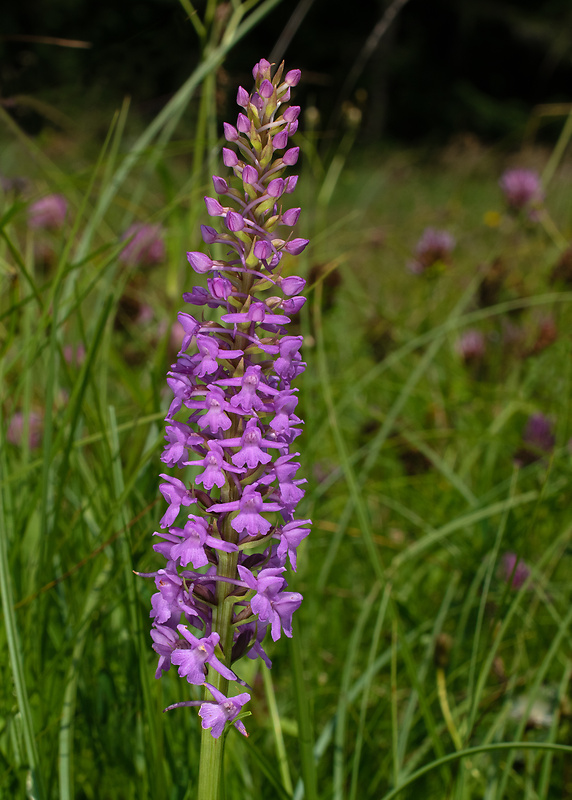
{"type": "Point", "coordinates": [233, 416]}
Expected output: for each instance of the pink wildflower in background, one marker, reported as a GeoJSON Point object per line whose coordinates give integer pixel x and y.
{"type": "Point", "coordinates": [538, 440]}
{"type": "Point", "coordinates": [471, 345]}
{"type": "Point", "coordinates": [434, 246]}
{"type": "Point", "coordinates": [522, 188]}
{"type": "Point", "coordinates": [16, 426]}
{"type": "Point", "coordinates": [512, 565]}
{"type": "Point", "coordinates": [49, 213]}
{"type": "Point", "coordinates": [146, 248]}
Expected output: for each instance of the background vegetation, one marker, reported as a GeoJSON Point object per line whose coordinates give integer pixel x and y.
{"type": "Point", "coordinates": [414, 641]}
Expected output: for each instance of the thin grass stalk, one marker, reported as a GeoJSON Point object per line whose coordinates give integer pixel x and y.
{"type": "Point", "coordinates": [65, 742]}
{"type": "Point", "coordinates": [357, 499]}
{"type": "Point", "coordinates": [380, 619]}
{"type": "Point", "coordinates": [473, 751]}
{"type": "Point", "coordinates": [15, 652]}
{"type": "Point", "coordinates": [281, 753]}
{"type": "Point", "coordinates": [428, 660]}
{"type": "Point", "coordinates": [309, 786]}
{"type": "Point", "coordinates": [484, 598]}
{"type": "Point", "coordinates": [381, 436]}
{"type": "Point", "coordinates": [343, 702]}
{"type": "Point", "coordinates": [393, 703]}
{"type": "Point", "coordinates": [539, 676]}
{"type": "Point", "coordinates": [546, 770]}
{"type": "Point", "coordinates": [155, 735]}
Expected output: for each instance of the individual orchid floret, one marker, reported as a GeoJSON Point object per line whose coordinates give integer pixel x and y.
{"type": "Point", "coordinates": [215, 715]}
{"type": "Point", "coordinates": [192, 661]}
{"type": "Point", "coordinates": [176, 494]}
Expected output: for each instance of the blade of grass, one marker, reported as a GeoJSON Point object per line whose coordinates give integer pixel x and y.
{"type": "Point", "coordinates": [471, 751]}
{"type": "Point", "coordinates": [539, 676]}
{"type": "Point", "coordinates": [545, 772]}
{"type": "Point", "coordinates": [343, 697]}
{"type": "Point", "coordinates": [366, 690]}
{"type": "Point", "coordinates": [281, 754]}
{"type": "Point", "coordinates": [309, 786]}
{"type": "Point", "coordinates": [12, 635]}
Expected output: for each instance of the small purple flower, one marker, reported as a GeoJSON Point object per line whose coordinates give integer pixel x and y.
{"type": "Point", "coordinates": [49, 213]}
{"type": "Point", "coordinates": [146, 247]}
{"type": "Point", "coordinates": [522, 188]}
{"type": "Point", "coordinates": [225, 709]}
{"type": "Point", "coordinates": [512, 565]}
{"type": "Point", "coordinates": [176, 494]}
{"type": "Point", "coordinates": [192, 661]}
{"type": "Point", "coordinates": [434, 246]}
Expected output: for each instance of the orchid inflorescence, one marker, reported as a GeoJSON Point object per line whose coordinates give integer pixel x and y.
{"type": "Point", "coordinates": [225, 568]}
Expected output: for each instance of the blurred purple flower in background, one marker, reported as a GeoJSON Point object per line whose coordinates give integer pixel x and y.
{"type": "Point", "coordinates": [433, 246]}
{"type": "Point", "coordinates": [538, 433]}
{"type": "Point", "coordinates": [512, 565]}
{"type": "Point", "coordinates": [538, 439]}
{"type": "Point", "coordinates": [49, 213]}
{"type": "Point", "coordinates": [146, 248]}
{"type": "Point", "coordinates": [15, 430]}
{"type": "Point", "coordinates": [74, 354]}
{"type": "Point", "coordinates": [471, 345]}
{"type": "Point", "coordinates": [521, 188]}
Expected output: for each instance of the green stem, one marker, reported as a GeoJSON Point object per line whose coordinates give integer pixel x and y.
{"type": "Point", "coordinates": [212, 750]}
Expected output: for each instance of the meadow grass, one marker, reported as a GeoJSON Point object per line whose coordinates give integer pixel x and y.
{"type": "Point", "coordinates": [416, 664]}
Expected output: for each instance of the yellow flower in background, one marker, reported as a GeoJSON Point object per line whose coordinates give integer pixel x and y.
{"type": "Point", "coordinates": [492, 219]}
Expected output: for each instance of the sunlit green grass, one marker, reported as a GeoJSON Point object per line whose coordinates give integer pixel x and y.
{"type": "Point", "coordinates": [413, 490]}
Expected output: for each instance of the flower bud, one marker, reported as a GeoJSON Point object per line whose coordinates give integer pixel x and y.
{"type": "Point", "coordinates": [276, 187]}
{"type": "Point", "coordinates": [266, 89]}
{"type": "Point", "coordinates": [262, 250]}
{"type": "Point", "coordinates": [296, 246]}
{"type": "Point", "coordinates": [234, 221]}
{"type": "Point", "coordinates": [290, 217]}
{"type": "Point", "coordinates": [200, 262]}
{"type": "Point", "coordinates": [293, 77]}
{"type": "Point", "coordinates": [243, 123]}
{"type": "Point", "coordinates": [229, 157]}
{"type": "Point", "coordinates": [280, 141]}
{"type": "Point", "coordinates": [293, 305]}
{"type": "Point", "coordinates": [290, 157]}
{"type": "Point", "coordinates": [249, 175]}
{"type": "Point", "coordinates": [242, 98]}
{"type": "Point", "coordinates": [210, 235]}
{"type": "Point", "coordinates": [291, 113]}
{"type": "Point", "coordinates": [230, 132]}
{"type": "Point", "coordinates": [291, 182]}
{"type": "Point", "coordinates": [214, 208]}
{"type": "Point", "coordinates": [220, 185]}
{"type": "Point", "coordinates": [292, 284]}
